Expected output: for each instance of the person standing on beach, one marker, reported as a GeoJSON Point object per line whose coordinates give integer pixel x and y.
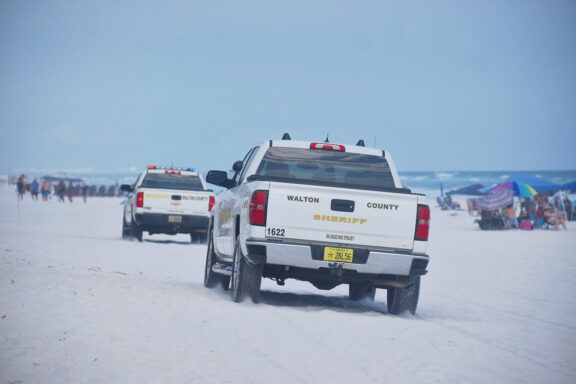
{"type": "Point", "coordinates": [21, 187]}
{"type": "Point", "coordinates": [61, 191]}
{"type": "Point", "coordinates": [70, 191]}
{"type": "Point", "coordinates": [45, 190]}
{"type": "Point", "coordinates": [84, 190]}
{"type": "Point", "coordinates": [34, 188]}
{"type": "Point", "coordinates": [471, 203]}
{"type": "Point", "coordinates": [568, 208]}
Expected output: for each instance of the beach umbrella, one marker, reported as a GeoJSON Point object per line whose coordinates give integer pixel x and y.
{"type": "Point", "coordinates": [535, 182]}
{"type": "Point", "coordinates": [569, 187]}
{"type": "Point", "coordinates": [495, 199]}
{"type": "Point", "coordinates": [471, 190]}
{"type": "Point", "coordinates": [519, 188]}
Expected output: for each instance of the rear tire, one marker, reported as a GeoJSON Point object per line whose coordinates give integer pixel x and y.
{"type": "Point", "coordinates": [137, 232]}
{"type": "Point", "coordinates": [198, 238]}
{"type": "Point", "coordinates": [401, 300]}
{"type": "Point", "coordinates": [246, 277]}
{"type": "Point", "coordinates": [361, 291]}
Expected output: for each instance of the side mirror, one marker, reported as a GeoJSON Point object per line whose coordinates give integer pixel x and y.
{"type": "Point", "coordinates": [219, 178]}
{"type": "Point", "coordinates": [126, 188]}
{"type": "Point", "coordinates": [237, 166]}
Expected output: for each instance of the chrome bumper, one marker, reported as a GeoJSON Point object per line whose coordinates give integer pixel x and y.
{"type": "Point", "coordinates": [294, 255]}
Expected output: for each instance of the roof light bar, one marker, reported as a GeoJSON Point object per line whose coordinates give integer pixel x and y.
{"type": "Point", "coordinates": [171, 168]}
{"type": "Point", "coordinates": [328, 147]}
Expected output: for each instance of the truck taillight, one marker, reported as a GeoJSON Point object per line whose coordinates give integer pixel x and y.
{"type": "Point", "coordinates": [140, 199]}
{"type": "Point", "coordinates": [211, 203]}
{"type": "Point", "coordinates": [328, 146]}
{"type": "Point", "coordinates": [422, 223]}
{"type": "Point", "coordinates": [258, 205]}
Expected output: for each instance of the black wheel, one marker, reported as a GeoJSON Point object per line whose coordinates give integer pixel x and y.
{"type": "Point", "coordinates": [125, 230]}
{"type": "Point", "coordinates": [401, 300]}
{"type": "Point", "coordinates": [198, 237]}
{"type": "Point", "coordinates": [211, 279]}
{"type": "Point", "coordinates": [136, 232]}
{"type": "Point", "coordinates": [246, 277]}
{"type": "Point", "coordinates": [361, 291]}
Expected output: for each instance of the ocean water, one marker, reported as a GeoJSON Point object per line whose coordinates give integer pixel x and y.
{"type": "Point", "coordinates": [429, 182]}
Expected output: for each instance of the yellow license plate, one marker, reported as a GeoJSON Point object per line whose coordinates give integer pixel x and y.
{"type": "Point", "coordinates": [174, 219]}
{"type": "Point", "coordinates": [344, 255]}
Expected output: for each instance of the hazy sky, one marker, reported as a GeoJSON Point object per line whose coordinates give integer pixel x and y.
{"type": "Point", "coordinates": [442, 85]}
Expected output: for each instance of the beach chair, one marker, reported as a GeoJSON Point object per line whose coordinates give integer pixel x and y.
{"type": "Point", "coordinates": [441, 203]}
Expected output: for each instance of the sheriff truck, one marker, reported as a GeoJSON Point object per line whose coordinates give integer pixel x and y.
{"type": "Point", "coordinates": [167, 200]}
{"type": "Point", "coordinates": [325, 213]}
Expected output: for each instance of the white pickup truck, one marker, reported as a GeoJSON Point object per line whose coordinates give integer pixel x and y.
{"type": "Point", "coordinates": [324, 213]}
{"type": "Point", "coordinates": [167, 200]}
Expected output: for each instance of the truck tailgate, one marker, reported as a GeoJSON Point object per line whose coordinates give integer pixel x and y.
{"type": "Point", "coordinates": [179, 202]}
{"type": "Point", "coordinates": [341, 216]}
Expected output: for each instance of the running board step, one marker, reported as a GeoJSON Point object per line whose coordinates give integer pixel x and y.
{"type": "Point", "coordinates": [222, 269]}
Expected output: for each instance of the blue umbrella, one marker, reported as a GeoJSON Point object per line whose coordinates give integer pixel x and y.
{"type": "Point", "coordinates": [535, 182]}
{"type": "Point", "coordinates": [496, 199]}
{"type": "Point", "coordinates": [569, 187]}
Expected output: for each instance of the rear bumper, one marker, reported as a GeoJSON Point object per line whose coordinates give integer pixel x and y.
{"type": "Point", "coordinates": [160, 223]}
{"type": "Point", "coordinates": [308, 256]}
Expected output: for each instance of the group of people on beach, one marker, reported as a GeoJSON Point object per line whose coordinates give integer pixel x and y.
{"type": "Point", "coordinates": [531, 213]}
{"type": "Point", "coordinates": [45, 189]}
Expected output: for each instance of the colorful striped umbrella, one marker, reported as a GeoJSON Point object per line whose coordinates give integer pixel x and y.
{"type": "Point", "coordinates": [519, 189]}
{"type": "Point", "coordinates": [495, 199]}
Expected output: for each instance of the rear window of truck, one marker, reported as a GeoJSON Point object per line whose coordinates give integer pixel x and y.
{"type": "Point", "coordinates": [331, 168]}
{"type": "Point", "coordinates": [172, 181]}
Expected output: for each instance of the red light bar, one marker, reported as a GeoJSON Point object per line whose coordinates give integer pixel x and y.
{"type": "Point", "coordinates": [173, 172]}
{"type": "Point", "coordinates": [171, 168]}
{"type": "Point", "coordinates": [328, 147]}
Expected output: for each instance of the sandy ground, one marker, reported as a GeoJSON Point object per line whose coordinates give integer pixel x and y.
{"type": "Point", "coordinates": [80, 305]}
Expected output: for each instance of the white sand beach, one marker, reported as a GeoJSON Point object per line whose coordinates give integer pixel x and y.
{"type": "Point", "coordinates": [80, 305]}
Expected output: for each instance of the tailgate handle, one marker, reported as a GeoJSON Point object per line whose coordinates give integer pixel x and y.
{"type": "Point", "coordinates": [342, 205]}
{"type": "Point", "coordinates": [176, 197]}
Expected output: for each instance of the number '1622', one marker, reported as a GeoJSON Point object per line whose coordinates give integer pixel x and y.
{"type": "Point", "coordinates": [275, 232]}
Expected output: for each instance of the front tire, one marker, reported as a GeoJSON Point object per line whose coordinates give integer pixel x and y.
{"type": "Point", "coordinates": [401, 300]}
{"type": "Point", "coordinates": [125, 230]}
{"type": "Point", "coordinates": [361, 291]}
{"type": "Point", "coordinates": [246, 277]}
